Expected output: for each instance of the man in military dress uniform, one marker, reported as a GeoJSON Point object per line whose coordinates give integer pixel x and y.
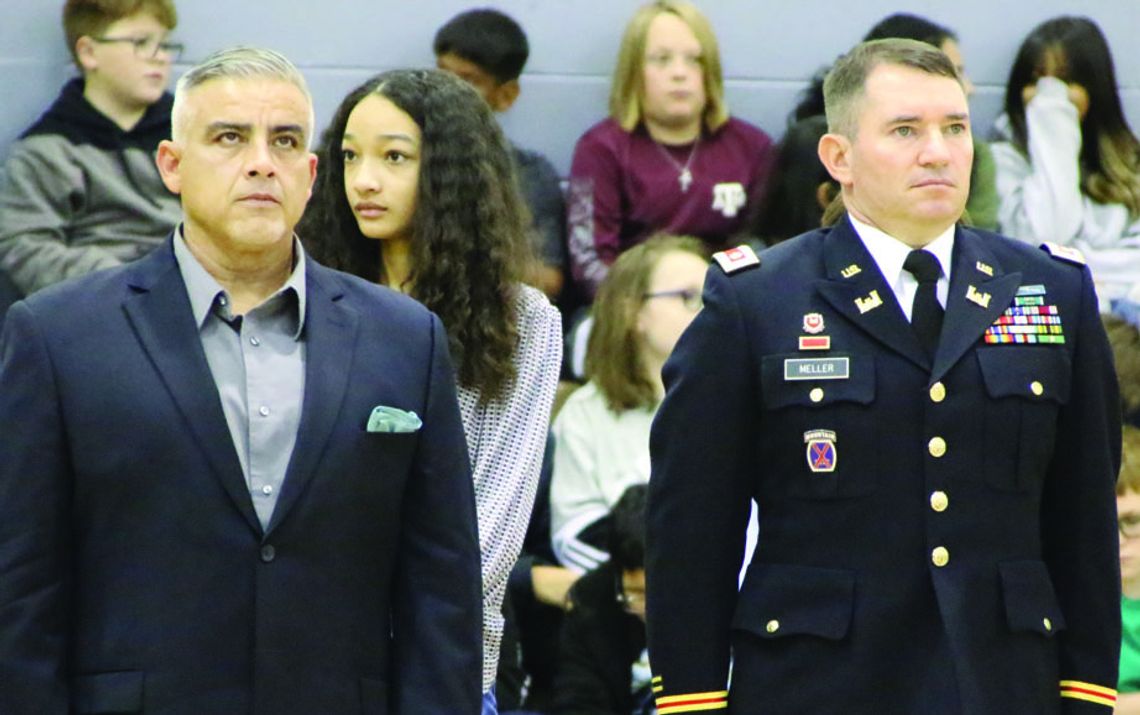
{"type": "Point", "coordinates": [931, 437]}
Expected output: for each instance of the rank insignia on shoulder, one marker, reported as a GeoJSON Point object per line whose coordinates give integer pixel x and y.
{"type": "Point", "coordinates": [735, 259]}
{"type": "Point", "coordinates": [1064, 253]}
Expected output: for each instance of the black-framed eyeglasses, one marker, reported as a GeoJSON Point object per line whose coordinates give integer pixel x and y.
{"type": "Point", "coordinates": [1129, 525]}
{"type": "Point", "coordinates": [689, 297]}
{"type": "Point", "coordinates": [148, 47]}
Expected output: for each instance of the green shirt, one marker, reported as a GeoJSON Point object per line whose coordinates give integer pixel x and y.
{"type": "Point", "coordinates": [1130, 646]}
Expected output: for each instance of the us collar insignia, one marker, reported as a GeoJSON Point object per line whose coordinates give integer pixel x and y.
{"type": "Point", "coordinates": [975, 296]}
{"type": "Point", "coordinates": [868, 303]}
{"type": "Point", "coordinates": [822, 456]}
{"type": "Point", "coordinates": [851, 270]}
{"type": "Point", "coordinates": [985, 268]}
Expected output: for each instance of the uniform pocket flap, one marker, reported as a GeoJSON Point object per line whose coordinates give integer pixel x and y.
{"type": "Point", "coordinates": [780, 600]}
{"type": "Point", "coordinates": [801, 379]}
{"type": "Point", "coordinates": [1030, 602]}
{"type": "Point", "coordinates": [1028, 371]}
{"type": "Point", "coordinates": [117, 692]}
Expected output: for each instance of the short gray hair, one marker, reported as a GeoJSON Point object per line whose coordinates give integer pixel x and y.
{"type": "Point", "coordinates": [846, 83]}
{"type": "Point", "coordinates": [240, 62]}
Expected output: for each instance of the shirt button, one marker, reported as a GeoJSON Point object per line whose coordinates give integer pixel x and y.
{"type": "Point", "coordinates": [254, 342]}
{"type": "Point", "coordinates": [937, 392]}
{"type": "Point", "coordinates": [939, 501]}
{"type": "Point", "coordinates": [268, 553]}
{"type": "Point", "coordinates": [940, 556]}
{"type": "Point", "coordinates": [263, 411]}
{"type": "Point", "coordinates": [936, 446]}
{"type": "Point", "coordinates": [816, 394]}
{"type": "Point", "coordinates": [267, 489]}
{"type": "Point", "coordinates": [772, 626]}
{"type": "Point", "coordinates": [223, 301]}
{"type": "Point", "coordinates": [1037, 388]}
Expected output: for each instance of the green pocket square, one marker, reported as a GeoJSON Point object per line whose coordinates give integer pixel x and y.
{"type": "Point", "coordinates": [391, 419]}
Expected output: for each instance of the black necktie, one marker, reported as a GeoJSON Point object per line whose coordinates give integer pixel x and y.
{"type": "Point", "coordinates": [926, 313]}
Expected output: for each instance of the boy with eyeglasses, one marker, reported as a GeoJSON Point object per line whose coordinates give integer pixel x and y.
{"type": "Point", "coordinates": [81, 191]}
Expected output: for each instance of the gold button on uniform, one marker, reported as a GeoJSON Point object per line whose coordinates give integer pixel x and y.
{"type": "Point", "coordinates": [937, 392]}
{"type": "Point", "coordinates": [816, 394]}
{"type": "Point", "coordinates": [773, 626]}
{"type": "Point", "coordinates": [940, 556]}
{"type": "Point", "coordinates": [936, 446]}
{"type": "Point", "coordinates": [1047, 623]}
{"type": "Point", "coordinates": [1036, 388]}
{"type": "Point", "coordinates": [939, 501]}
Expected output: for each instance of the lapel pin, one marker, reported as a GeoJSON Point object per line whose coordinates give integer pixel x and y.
{"type": "Point", "coordinates": [975, 296]}
{"type": "Point", "coordinates": [851, 270]}
{"type": "Point", "coordinates": [813, 323]}
{"type": "Point", "coordinates": [869, 303]}
{"type": "Point", "coordinates": [985, 268]}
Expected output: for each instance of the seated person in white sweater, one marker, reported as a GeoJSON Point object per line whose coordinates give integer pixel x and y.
{"type": "Point", "coordinates": [1068, 170]}
{"type": "Point", "coordinates": [650, 295]}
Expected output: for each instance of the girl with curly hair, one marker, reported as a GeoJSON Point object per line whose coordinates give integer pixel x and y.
{"type": "Point", "coordinates": [417, 192]}
{"type": "Point", "coordinates": [1068, 169]}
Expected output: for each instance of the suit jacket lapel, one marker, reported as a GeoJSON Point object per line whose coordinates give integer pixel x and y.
{"type": "Point", "coordinates": [856, 288]}
{"type": "Point", "coordinates": [979, 292]}
{"type": "Point", "coordinates": [330, 337]}
{"type": "Point", "coordinates": [158, 309]}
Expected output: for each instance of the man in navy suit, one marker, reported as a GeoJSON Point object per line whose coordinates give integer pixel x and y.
{"type": "Point", "coordinates": [928, 420]}
{"type": "Point", "coordinates": [232, 480]}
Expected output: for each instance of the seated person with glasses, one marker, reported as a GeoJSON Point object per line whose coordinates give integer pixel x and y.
{"type": "Point", "coordinates": [603, 666]}
{"type": "Point", "coordinates": [650, 295]}
{"type": "Point", "coordinates": [81, 190]}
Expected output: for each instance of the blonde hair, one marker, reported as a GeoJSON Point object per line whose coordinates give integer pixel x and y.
{"type": "Point", "coordinates": [629, 73]}
{"type": "Point", "coordinates": [613, 353]}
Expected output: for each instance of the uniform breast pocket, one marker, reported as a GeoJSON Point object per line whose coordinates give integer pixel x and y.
{"type": "Point", "coordinates": [818, 438]}
{"type": "Point", "coordinates": [1026, 387]}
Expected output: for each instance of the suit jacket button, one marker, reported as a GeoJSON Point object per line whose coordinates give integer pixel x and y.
{"type": "Point", "coordinates": [772, 626]}
{"type": "Point", "coordinates": [1037, 388]}
{"type": "Point", "coordinates": [268, 553]}
{"type": "Point", "coordinates": [939, 501]}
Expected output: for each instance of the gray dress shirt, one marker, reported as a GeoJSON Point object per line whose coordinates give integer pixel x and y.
{"type": "Point", "coordinates": [258, 363]}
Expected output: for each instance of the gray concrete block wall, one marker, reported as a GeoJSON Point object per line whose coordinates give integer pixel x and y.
{"type": "Point", "coordinates": [769, 50]}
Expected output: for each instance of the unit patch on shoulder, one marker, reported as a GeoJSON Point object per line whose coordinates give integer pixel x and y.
{"type": "Point", "coordinates": [1064, 253]}
{"type": "Point", "coordinates": [735, 259]}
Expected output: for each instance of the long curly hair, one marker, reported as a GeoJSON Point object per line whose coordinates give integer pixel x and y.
{"type": "Point", "coordinates": [469, 240]}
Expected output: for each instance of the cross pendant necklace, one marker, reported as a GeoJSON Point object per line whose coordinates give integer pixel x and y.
{"type": "Point", "coordinates": [684, 174]}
